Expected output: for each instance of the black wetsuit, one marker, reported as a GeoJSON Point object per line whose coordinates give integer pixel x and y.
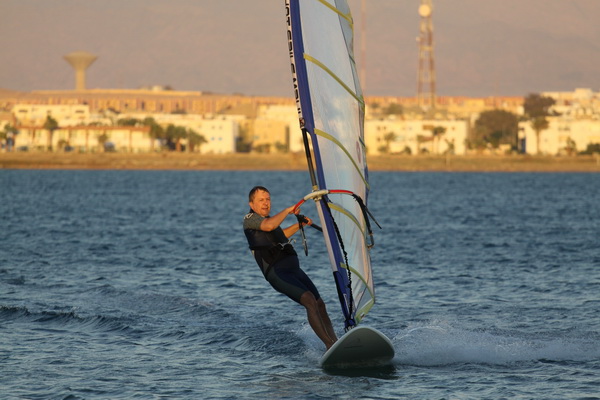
{"type": "Point", "coordinates": [277, 259]}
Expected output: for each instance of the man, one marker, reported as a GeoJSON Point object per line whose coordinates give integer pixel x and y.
{"type": "Point", "coordinates": [279, 262]}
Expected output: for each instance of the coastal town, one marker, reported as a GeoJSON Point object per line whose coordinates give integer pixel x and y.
{"type": "Point", "coordinates": [158, 119]}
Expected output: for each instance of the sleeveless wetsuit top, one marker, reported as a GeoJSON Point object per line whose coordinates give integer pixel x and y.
{"type": "Point", "coordinates": [267, 247]}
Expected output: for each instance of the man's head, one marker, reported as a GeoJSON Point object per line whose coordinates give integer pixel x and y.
{"type": "Point", "coordinates": [259, 200]}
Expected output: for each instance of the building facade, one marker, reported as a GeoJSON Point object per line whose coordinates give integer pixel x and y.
{"type": "Point", "coordinates": [564, 136]}
{"type": "Point", "coordinates": [398, 136]}
{"type": "Point", "coordinates": [575, 126]}
{"type": "Point", "coordinates": [82, 131]}
{"type": "Point", "coordinates": [89, 119]}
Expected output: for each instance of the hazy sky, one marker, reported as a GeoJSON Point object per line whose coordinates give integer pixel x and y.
{"type": "Point", "coordinates": [482, 47]}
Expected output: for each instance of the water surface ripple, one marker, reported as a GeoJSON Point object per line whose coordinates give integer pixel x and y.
{"type": "Point", "coordinates": [139, 284]}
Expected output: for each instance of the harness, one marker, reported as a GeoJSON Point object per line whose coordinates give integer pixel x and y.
{"type": "Point", "coordinates": [268, 248]}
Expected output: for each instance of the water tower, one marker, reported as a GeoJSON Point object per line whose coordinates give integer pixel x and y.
{"type": "Point", "coordinates": [426, 76]}
{"type": "Point", "coordinates": [80, 61]}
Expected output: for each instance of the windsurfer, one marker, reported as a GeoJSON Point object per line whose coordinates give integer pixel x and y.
{"type": "Point", "coordinates": [279, 261]}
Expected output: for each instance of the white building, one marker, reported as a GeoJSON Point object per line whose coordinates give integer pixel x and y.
{"type": "Point", "coordinates": [564, 135]}
{"type": "Point", "coordinates": [274, 122]}
{"type": "Point", "coordinates": [580, 103]}
{"type": "Point", "coordinates": [36, 114]}
{"type": "Point", "coordinates": [221, 134]}
{"type": "Point", "coordinates": [219, 131]}
{"type": "Point", "coordinates": [75, 132]}
{"type": "Point", "coordinates": [395, 136]}
{"type": "Point", "coordinates": [278, 124]}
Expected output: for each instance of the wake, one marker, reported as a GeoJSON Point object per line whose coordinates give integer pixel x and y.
{"type": "Point", "coordinates": [436, 344]}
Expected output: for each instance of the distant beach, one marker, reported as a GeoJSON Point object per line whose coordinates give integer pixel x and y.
{"type": "Point", "coordinates": [245, 161]}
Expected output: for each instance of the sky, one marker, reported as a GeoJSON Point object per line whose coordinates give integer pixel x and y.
{"type": "Point", "coordinates": [481, 47]}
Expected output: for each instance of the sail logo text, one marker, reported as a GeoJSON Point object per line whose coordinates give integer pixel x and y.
{"type": "Point", "coordinates": [291, 53]}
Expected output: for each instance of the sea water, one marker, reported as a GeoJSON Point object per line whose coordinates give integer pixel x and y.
{"type": "Point", "coordinates": [140, 284]}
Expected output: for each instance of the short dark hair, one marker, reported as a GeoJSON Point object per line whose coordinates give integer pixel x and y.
{"type": "Point", "coordinates": [256, 189]}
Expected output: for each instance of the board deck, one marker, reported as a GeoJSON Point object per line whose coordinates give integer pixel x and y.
{"type": "Point", "coordinates": [362, 346]}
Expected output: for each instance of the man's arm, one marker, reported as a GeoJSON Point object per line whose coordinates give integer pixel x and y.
{"type": "Point", "coordinates": [290, 230]}
{"type": "Point", "coordinates": [271, 223]}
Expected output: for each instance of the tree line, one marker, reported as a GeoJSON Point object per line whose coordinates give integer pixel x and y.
{"type": "Point", "coordinates": [499, 127]}
{"type": "Point", "coordinates": [172, 137]}
{"type": "Point", "coordinates": [496, 127]}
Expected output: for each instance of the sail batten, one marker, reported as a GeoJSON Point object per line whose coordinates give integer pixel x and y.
{"type": "Point", "coordinates": [330, 72]}
{"type": "Point", "coordinates": [347, 17]}
{"type": "Point", "coordinates": [334, 140]}
{"type": "Point", "coordinates": [331, 110]}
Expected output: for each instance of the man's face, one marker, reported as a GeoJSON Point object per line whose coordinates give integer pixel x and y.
{"type": "Point", "coordinates": [261, 204]}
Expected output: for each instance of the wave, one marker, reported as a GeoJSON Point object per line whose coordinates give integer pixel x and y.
{"type": "Point", "coordinates": [144, 314]}
{"type": "Point", "coordinates": [435, 344]}
{"type": "Point", "coordinates": [107, 309]}
{"type": "Point", "coordinates": [66, 319]}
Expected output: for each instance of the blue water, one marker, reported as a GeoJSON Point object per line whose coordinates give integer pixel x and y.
{"type": "Point", "coordinates": [139, 284]}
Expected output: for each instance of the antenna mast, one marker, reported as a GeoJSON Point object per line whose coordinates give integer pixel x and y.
{"type": "Point", "coordinates": [426, 74]}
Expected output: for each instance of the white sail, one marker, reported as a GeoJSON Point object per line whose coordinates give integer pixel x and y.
{"type": "Point", "coordinates": [331, 109]}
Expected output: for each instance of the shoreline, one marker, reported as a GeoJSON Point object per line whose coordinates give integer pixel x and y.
{"type": "Point", "coordinates": [295, 162]}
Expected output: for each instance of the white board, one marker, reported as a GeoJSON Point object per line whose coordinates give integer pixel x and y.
{"type": "Point", "coordinates": [362, 346]}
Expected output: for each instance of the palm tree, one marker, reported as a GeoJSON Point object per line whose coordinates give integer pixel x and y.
{"type": "Point", "coordinates": [195, 139]}
{"type": "Point", "coordinates": [3, 136]}
{"type": "Point", "coordinates": [388, 138]}
{"type": "Point", "coordinates": [537, 108]}
{"type": "Point", "coordinates": [102, 139]}
{"type": "Point", "coordinates": [156, 131]}
{"type": "Point", "coordinates": [571, 147]}
{"type": "Point", "coordinates": [437, 132]}
{"type": "Point", "coordinates": [9, 134]}
{"type": "Point", "coordinates": [174, 135]}
{"type": "Point", "coordinates": [50, 125]}
{"type": "Point", "coordinates": [539, 124]}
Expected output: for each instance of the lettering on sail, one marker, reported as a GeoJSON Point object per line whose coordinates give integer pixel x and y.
{"type": "Point", "coordinates": [292, 61]}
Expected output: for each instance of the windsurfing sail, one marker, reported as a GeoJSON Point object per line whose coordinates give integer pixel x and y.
{"type": "Point", "coordinates": [331, 110]}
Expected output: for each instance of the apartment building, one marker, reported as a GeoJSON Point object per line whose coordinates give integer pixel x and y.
{"type": "Point", "coordinates": [36, 114]}
{"type": "Point", "coordinates": [219, 131]}
{"type": "Point", "coordinates": [80, 130]}
{"type": "Point", "coordinates": [276, 128]}
{"type": "Point", "coordinates": [564, 136]}
{"type": "Point", "coordinates": [271, 124]}
{"type": "Point", "coordinates": [399, 136]}
{"type": "Point", "coordinates": [576, 125]}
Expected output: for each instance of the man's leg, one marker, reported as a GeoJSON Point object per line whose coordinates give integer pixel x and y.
{"type": "Point", "coordinates": [314, 318]}
{"type": "Point", "coordinates": [326, 320]}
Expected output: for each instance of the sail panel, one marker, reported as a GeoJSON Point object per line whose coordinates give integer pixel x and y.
{"type": "Point", "coordinates": [331, 108]}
